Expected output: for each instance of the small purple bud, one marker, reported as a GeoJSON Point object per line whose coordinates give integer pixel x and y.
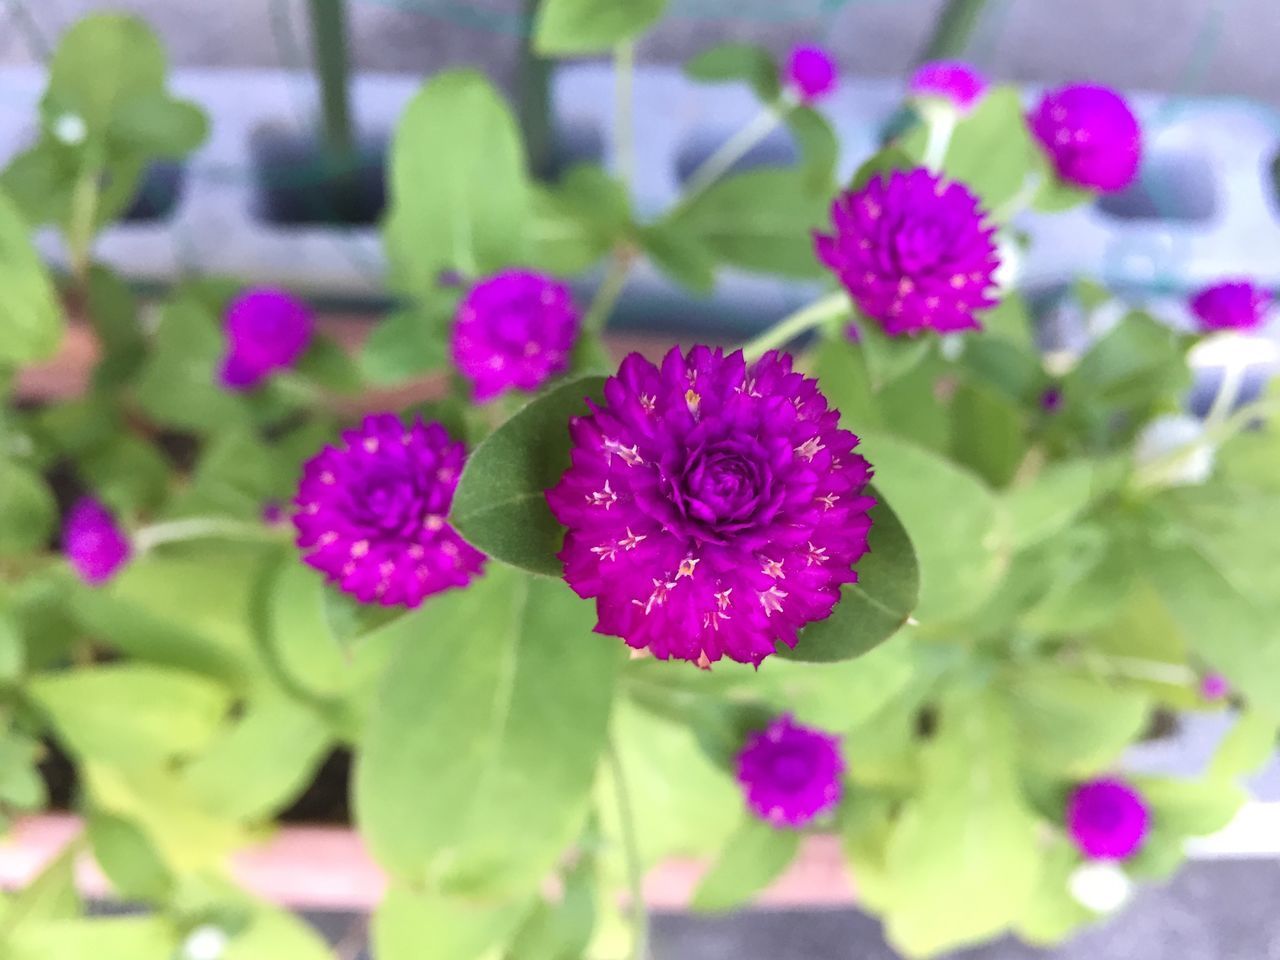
{"type": "Point", "coordinates": [1231, 305]}
{"type": "Point", "coordinates": [273, 513]}
{"type": "Point", "coordinates": [811, 73]}
{"type": "Point", "coordinates": [94, 544]}
{"type": "Point", "coordinates": [1051, 400]}
{"type": "Point", "coordinates": [1214, 686]}
{"type": "Point", "coordinates": [952, 80]}
{"type": "Point", "coordinates": [852, 333]}
{"type": "Point", "coordinates": [267, 330]}
{"type": "Point", "coordinates": [1107, 819]}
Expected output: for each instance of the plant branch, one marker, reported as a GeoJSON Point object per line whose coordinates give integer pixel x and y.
{"type": "Point", "coordinates": [631, 851]}
{"type": "Point", "coordinates": [730, 152]}
{"type": "Point", "coordinates": [611, 287]}
{"type": "Point", "coordinates": [329, 51]}
{"type": "Point", "coordinates": [202, 528]}
{"type": "Point", "coordinates": [802, 320]}
{"type": "Point", "coordinates": [624, 146]}
{"type": "Point", "coordinates": [952, 30]}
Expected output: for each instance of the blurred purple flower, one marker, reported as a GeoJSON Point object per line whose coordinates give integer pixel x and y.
{"type": "Point", "coordinates": [714, 507]}
{"type": "Point", "coordinates": [953, 80]}
{"type": "Point", "coordinates": [914, 252]}
{"type": "Point", "coordinates": [1051, 400]}
{"type": "Point", "coordinates": [93, 542]}
{"type": "Point", "coordinates": [790, 774]}
{"type": "Point", "coordinates": [1107, 819]}
{"type": "Point", "coordinates": [1231, 305]}
{"type": "Point", "coordinates": [811, 72]}
{"type": "Point", "coordinates": [1214, 686]}
{"type": "Point", "coordinates": [514, 329]}
{"type": "Point", "coordinates": [267, 330]}
{"type": "Point", "coordinates": [371, 513]}
{"type": "Point", "coordinates": [1091, 136]}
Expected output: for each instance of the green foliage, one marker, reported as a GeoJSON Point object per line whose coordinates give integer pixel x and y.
{"type": "Point", "coordinates": [745, 62]}
{"type": "Point", "coordinates": [29, 316]}
{"type": "Point", "coordinates": [755, 855]}
{"type": "Point", "coordinates": [569, 27]}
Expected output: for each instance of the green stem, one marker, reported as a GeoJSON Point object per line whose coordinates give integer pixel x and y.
{"type": "Point", "coordinates": [329, 50]}
{"type": "Point", "coordinates": [1225, 398]}
{"type": "Point", "coordinates": [730, 152]}
{"type": "Point", "coordinates": [953, 29]}
{"type": "Point", "coordinates": [791, 326]}
{"type": "Point", "coordinates": [1134, 668]}
{"type": "Point", "coordinates": [533, 104]}
{"type": "Point", "coordinates": [942, 124]}
{"type": "Point", "coordinates": [611, 287]}
{"type": "Point", "coordinates": [84, 213]}
{"type": "Point", "coordinates": [624, 65]}
{"type": "Point", "coordinates": [1215, 435]}
{"type": "Point", "coordinates": [631, 851]}
{"type": "Point", "coordinates": [201, 528]}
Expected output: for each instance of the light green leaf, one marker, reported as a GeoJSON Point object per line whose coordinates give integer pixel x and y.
{"type": "Point", "coordinates": [13, 652]}
{"type": "Point", "coordinates": [819, 149]}
{"type": "Point", "coordinates": [21, 785]}
{"type": "Point", "coordinates": [511, 668]}
{"type": "Point", "coordinates": [960, 539]}
{"type": "Point", "coordinates": [746, 62]}
{"type": "Point", "coordinates": [841, 369]}
{"type": "Point", "coordinates": [564, 27]}
{"type": "Point", "coordinates": [1192, 808]}
{"type": "Point", "coordinates": [51, 896]}
{"type": "Point", "coordinates": [837, 696]}
{"type": "Point", "coordinates": [1050, 502]}
{"type": "Point", "coordinates": [991, 150]}
{"type": "Point", "coordinates": [578, 220]}
{"type": "Point", "coordinates": [1250, 744]}
{"type": "Point", "coordinates": [126, 856]}
{"type": "Point", "coordinates": [299, 629]}
{"type": "Point", "coordinates": [27, 510]}
{"type": "Point", "coordinates": [131, 714]}
{"type": "Point", "coordinates": [101, 63]}
{"type": "Point", "coordinates": [157, 125]}
{"type": "Point", "coordinates": [1052, 912]}
{"type": "Point", "coordinates": [680, 254]}
{"type": "Point", "coordinates": [30, 315]}
{"type": "Point", "coordinates": [988, 432]}
{"type": "Point", "coordinates": [408, 343]}
{"type": "Point", "coordinates": [274, 934]}
{"type": "Point", "coordinates": [757, 853]}
{"type": "Point", "coordinates": [103, 938]}
{"type": "Point", "coordinates": [882, 164]}
{"type": "Point", "coordinates": [459, 194]}
{"type": "Point", "coordinates": [500, 505]}
{"type": "Point", "coordinates": [871, 610]}
{"type": "Point", "coordinates": [455, 928]}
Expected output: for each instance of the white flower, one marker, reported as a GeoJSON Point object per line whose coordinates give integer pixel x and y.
{"type": "Point", "coordinates": [1100, 886]}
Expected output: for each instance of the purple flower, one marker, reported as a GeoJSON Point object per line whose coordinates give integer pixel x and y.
{"type": "Point", "coordinates": [267, 330]}
{"type": "Point", "coordinates": [1214, 686]}
{"type": "Point", "coordinates": [1051, 400]}
{"type": "Point", "coordinates": [371, 512]}
{"type": "Point", "coordinates": [1231, 305]}
{"type": "Point", "coordinates": [514, 329]}
{"type": "Point", "coordinates": [273, 513]}
{"type": "Point", "coordinates": [913, 251]}
{"type": "Point", "coordinates": [953, 80]}
{"type": "Point", "coordinates": [94, 542]}
{"type": "Point", "coordinates": [789, 773]}
{"type": "Point", "coordinates": [811, 73]}
{"type": "Point", "coordinates": [714, 507]}
{"type": "Point", "coordinates": [1092, 137]}
{"type": "Point", "coordinates": [1107, 819]}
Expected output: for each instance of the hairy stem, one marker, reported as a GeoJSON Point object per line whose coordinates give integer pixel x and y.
{"type": "Point", "coordinates": [631, 851]}
{"type": "Point", "coordinates": [201, 528]}
{"type": "Point", "coordinates": [802, 320]}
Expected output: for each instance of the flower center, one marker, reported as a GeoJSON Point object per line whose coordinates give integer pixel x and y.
{"type": "Point", "coordinates": [791, 769]}
{"type": "Point", "coordinates": [723, 486]}
{"type": "Point", "coordinates": [389, 504]}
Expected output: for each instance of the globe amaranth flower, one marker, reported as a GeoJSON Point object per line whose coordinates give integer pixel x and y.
{"type": "Point", "coordinates": [1214, 686]}
{"type": "Point", "coordinates": [914, 252]}
{"type": "Point", "coordinates": [713, 506]}
{"type": "Point", "coordinates": [1230, 305]}
{"type": "Point", "coordinates": [955, 81]}
{"type": "Point", "coordinates": [93, 542]}
{"type": "Point", "coordinates": [267, 330]}
{"type": "Point", "coordinates": [811, 72]}
{"type": "Point", "coordinates": [790, 774]}
{"type": "Point", "coordinates": [370, 513]}
{"type": "Point", "coordinates": [1091, 136]}
{"type": "Point", "coordinates": [514, 329]}
{"type": "Point", "coordinates": [1107, 819]}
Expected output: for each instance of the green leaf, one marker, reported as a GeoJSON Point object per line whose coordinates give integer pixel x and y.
{"type": "Point", "coordinates": [131, 714]}
{"type": "Point", "coordinates": [1136, 365]}
{"type": "Point", "coordinates": [1086, 593]}
{"type": "Point", "coordinates": [759, 220]}
{"type": "Point", "coordinates": [991, 150]}
{"type": "Point", "coordinates": [841, 369]}
{"type": "Point", "coordinates": [51, 896]}
{"type": "Point", "coordinates": [102, 62]}
{"type": "Point", "coordinates": [454, 928]}
{"type": "Point", "coordinates": [27, 510]}
{"type": "Point", "coordinates": [1052, 912]}
{"type": "Point", "coordinates": [880, 164]}
{"type": "Point", "coordinates": [1248, 746]}
{"type": "Point", "coordinates": [407, 343]}
{"type": "Point", "coordinates": [963, 857]}
{"type": "Point", "coordinates": [1008, 320]}
{"type": "Point", "coordinates": [156, 125]}
{"type": "Point", "coordinates": [30, 315]}
{"type": "Point", "coordinates": [127, 858]}
{"type": "Point", "coordinates": [746, 62]}
{"type": "Point", "coordinates": [299, 629]}
{"type": "Point", "coordinates": [1050, 502]}
{"type": "Point", "coordinates": [458, 191]}
{"type": "Point", "coordinates": [103, 938]}
{"type": "Point", "coordinates": [578, 220]}
{"type": "Point", "coordinates": [960, 539]}
{"type": "Point", "coordinates": [510, 666]}
{"type": "Point", "coordinates": [564, 27]}
{"type": "Point", "coordinates": [819, 149]}
{"type": "Point", "coordinates": [871, 610]}
{"type": "Point", "coordinates": [21, 785]}
{"type": "Point", "coordinates": [1192, 808]}
{"type": "Point", "coordinates": [988, 432]}
{"type": "Point", "coordinates": [680, 255]}
{"type": "Point", "coordinates": [500, 505]}
{"type": "Point", "coordinates": [128, 474]}
{"type": "Point", "coordinates": [836, 696]}
{"type": "Point", "coordinates": [757, 853]}
{"type": "Point", "coordinates": [113, 310]}
{"type": "Point", "coordinates": [13, 651]}
{"type": "Point", "coordinates": [275, 934]}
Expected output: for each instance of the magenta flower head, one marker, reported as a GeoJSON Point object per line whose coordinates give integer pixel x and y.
{"type": "Point", "coordinates": [1230, 305]}
{"type": "Point", "coordinates": [790, 774]}
{"type": "Point", "coordinates": [267, 330]}
{"type": "Point", "coordinates": [371, 512]}
{"type": "Point", "coordinates": [811, 73]}
{"type": "Point", "coordinates": [514, 329]}
{"type": "Point", "coordinates": [914, 252]}
{"type": "Point", "coordinates": [1107, 819]}
{"type": "Point", "coordinates": [713, 506]}
{"type": "Point", "coordinates": [1214, 686]}
{"type": "Point", "coordinates": [93, 542]}
{"type": "Point", "coordinates": [1091, 136]}
{"type": "Point", "coordinates": [953, 80]}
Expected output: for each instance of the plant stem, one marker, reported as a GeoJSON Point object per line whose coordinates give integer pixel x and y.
{"type": "Point", "coordinates": [615, 279]}
{"type": "Point", "coordinates": [952, 30]}
{"type": "Point", "coordinates": [729, 153]}
{"type": "Point", "coordinates": [80, 225]}
{"type": "Point", "coordinates": [624, 148]}
{"type": "Point", "coordinates": [329, 50]}
{"type": "Point", "coordinates": [942, 124]}
{"type": "Point", "coordinates": [1225, 399]}
{"type": "Point", "coordinates": [201, 528]}
{"type": "Point", "coordinates": [533, 103]}
{"type": "Point", "coordinates": [791, 326]}
{"type": "Point", "coordinates": [1134, 668]}
{"type": "Point", "coordinates": [631, 851]}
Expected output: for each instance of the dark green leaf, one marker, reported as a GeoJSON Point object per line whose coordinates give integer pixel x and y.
{"type": "Point", "coordinates": [988, 432]}
{"type": "Point", "coordinates": [881, 164]}
{"type": "Point", "coordinates": [841, 369]}
{"type": "Point", "coordinates": [500, 504]}
{"type": "Point", "coordinates": [819, 149]}
{"type": "Point", "coordinates": [746, 62]}
{"type": "Point", "coordinates": [405, 344]}
{"type": "Point", "coordinates": [113, 310]}
{"type": "Point", "coordinates": [757, 853]}
{"type": "Point", "coordinates": [680, 255]}
{"type": "Point", "coordinates": [27, 510]}
{"type": "Point", "coordinates": [871, 610]}
{"type": "Point", "coordinates": [564, 27]}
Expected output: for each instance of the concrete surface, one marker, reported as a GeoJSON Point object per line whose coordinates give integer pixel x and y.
{"type": "Point", "coordinates": [1191, 46]}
